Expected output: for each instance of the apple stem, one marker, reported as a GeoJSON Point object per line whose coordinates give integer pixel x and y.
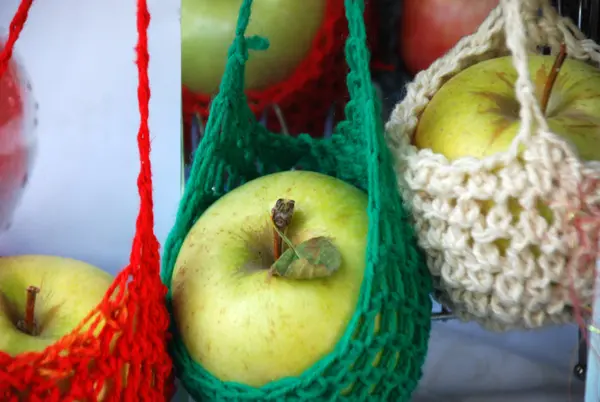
{"type": "Point", "coordinates": [281, 216]}
{"type": "Point", "coordinates": [558, 63]}
{"type": "Point", "coordinates": [28, 325]}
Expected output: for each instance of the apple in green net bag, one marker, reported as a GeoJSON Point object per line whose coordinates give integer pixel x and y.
{"type": "Point", "coordinates": [268, 278]}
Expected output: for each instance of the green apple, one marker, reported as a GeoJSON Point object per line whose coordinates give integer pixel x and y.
{"type": "Point", "coordinates": [243, 325]}
{"type": "Point", "coordinates": [208, 29]}
{"type": "Point", "coordinates": [68, 291]}
{"type": "Point", "coordinates": [476, 112]}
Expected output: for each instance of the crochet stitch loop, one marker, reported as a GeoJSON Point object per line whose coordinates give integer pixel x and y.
{"type": "Point", "coordinates": [236, 149]}
{"type": "Point", "coordinates": [128, 330]}
{"type": "Point", "coordinates": [530, 281]}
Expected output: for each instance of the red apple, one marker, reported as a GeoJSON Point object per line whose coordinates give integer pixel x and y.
{"type": "Point", "coordinates": [17, 121]}
{"type": "Point", "coordinates": [429, 28]}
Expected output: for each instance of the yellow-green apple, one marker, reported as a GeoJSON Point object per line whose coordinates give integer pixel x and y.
{"type": "Point", "coordinates": [429, 28]}
{"type": "Point", "coordinates": [208, 29]}
{"type": "Point", "coordinates": [476, 113]}
{"type": "Point", "coordinates": [236, 320]}
{"type": "Point", "coordinates": [63, 292]}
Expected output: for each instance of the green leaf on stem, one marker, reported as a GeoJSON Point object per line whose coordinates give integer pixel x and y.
{"type": "Point", "coordinates": [311, 259]}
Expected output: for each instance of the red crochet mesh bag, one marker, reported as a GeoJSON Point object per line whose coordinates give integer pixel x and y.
{"type": "Point", "coordinates": [118, 353]}
{"type": "Point", "coordinates": [305, 99]}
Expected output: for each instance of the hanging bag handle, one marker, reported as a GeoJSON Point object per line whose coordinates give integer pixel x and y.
{"type": "Point", "coordinates": [16, 26]}
{"type": "Point", "coordinates": [533, 120]}
{"type": "Point", "coordinates": [363, 107]}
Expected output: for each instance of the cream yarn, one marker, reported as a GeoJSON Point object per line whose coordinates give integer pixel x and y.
{"type": "Point", "coordinates": [528, 285]}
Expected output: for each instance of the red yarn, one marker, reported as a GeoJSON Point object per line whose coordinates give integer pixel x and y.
{"type": "Point", "coordinates": [307, 96]}
{"type": "Point", "coordinates": [16, 26]}
{"type": "Point", "coordinates": [131, 344]}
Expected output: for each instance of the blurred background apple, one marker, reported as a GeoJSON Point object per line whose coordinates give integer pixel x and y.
{"type": "Point", "coordinates": [429, 28]}
{"type": "Point", "coordinates": [208, 29]}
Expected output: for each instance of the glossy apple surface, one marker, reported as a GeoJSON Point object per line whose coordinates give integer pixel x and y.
{"type": "Point", "coordinates": [429, 28]}
{"type": "Point", "coordinates": [208, 29]}
{"type": "Point", "coordinates": [239, 325]}
{"type": "Point", "coordinates": [476, 112]}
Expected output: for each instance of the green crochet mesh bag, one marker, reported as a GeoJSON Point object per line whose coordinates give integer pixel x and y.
{"type": "Point", "coordinates": [396, 285]}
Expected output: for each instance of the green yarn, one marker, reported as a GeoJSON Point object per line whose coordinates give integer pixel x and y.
{"type": "Point", "coordinates": [396, 286]}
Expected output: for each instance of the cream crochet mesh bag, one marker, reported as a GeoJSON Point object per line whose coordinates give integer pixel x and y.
{"type": "Point", "coordinates": [530, 284]}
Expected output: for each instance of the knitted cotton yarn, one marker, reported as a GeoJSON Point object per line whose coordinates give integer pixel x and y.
{"type": "Point", "coordinates": [367, 363]}
{"type": "Point", "coordinates": [528, 285]}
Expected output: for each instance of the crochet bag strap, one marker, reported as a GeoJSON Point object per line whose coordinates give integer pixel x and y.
{"type": "Point", "coordinates": [514, 28]}
{"type": "Point", "coordinates": [534, 123]}
{"type": "Point", "coordinates": [359, 140]}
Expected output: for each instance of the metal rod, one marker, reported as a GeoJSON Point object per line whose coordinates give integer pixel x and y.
{"type": "Point", "coordinates": [443, 315]}
{"type": "Point", "coordinates": [592, 389]}
{"type": "Point", "coordinates": [583, 353]}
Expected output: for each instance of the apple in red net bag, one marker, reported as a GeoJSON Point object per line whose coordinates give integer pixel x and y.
{"type": "Point", "coordinates": [17, 136]}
